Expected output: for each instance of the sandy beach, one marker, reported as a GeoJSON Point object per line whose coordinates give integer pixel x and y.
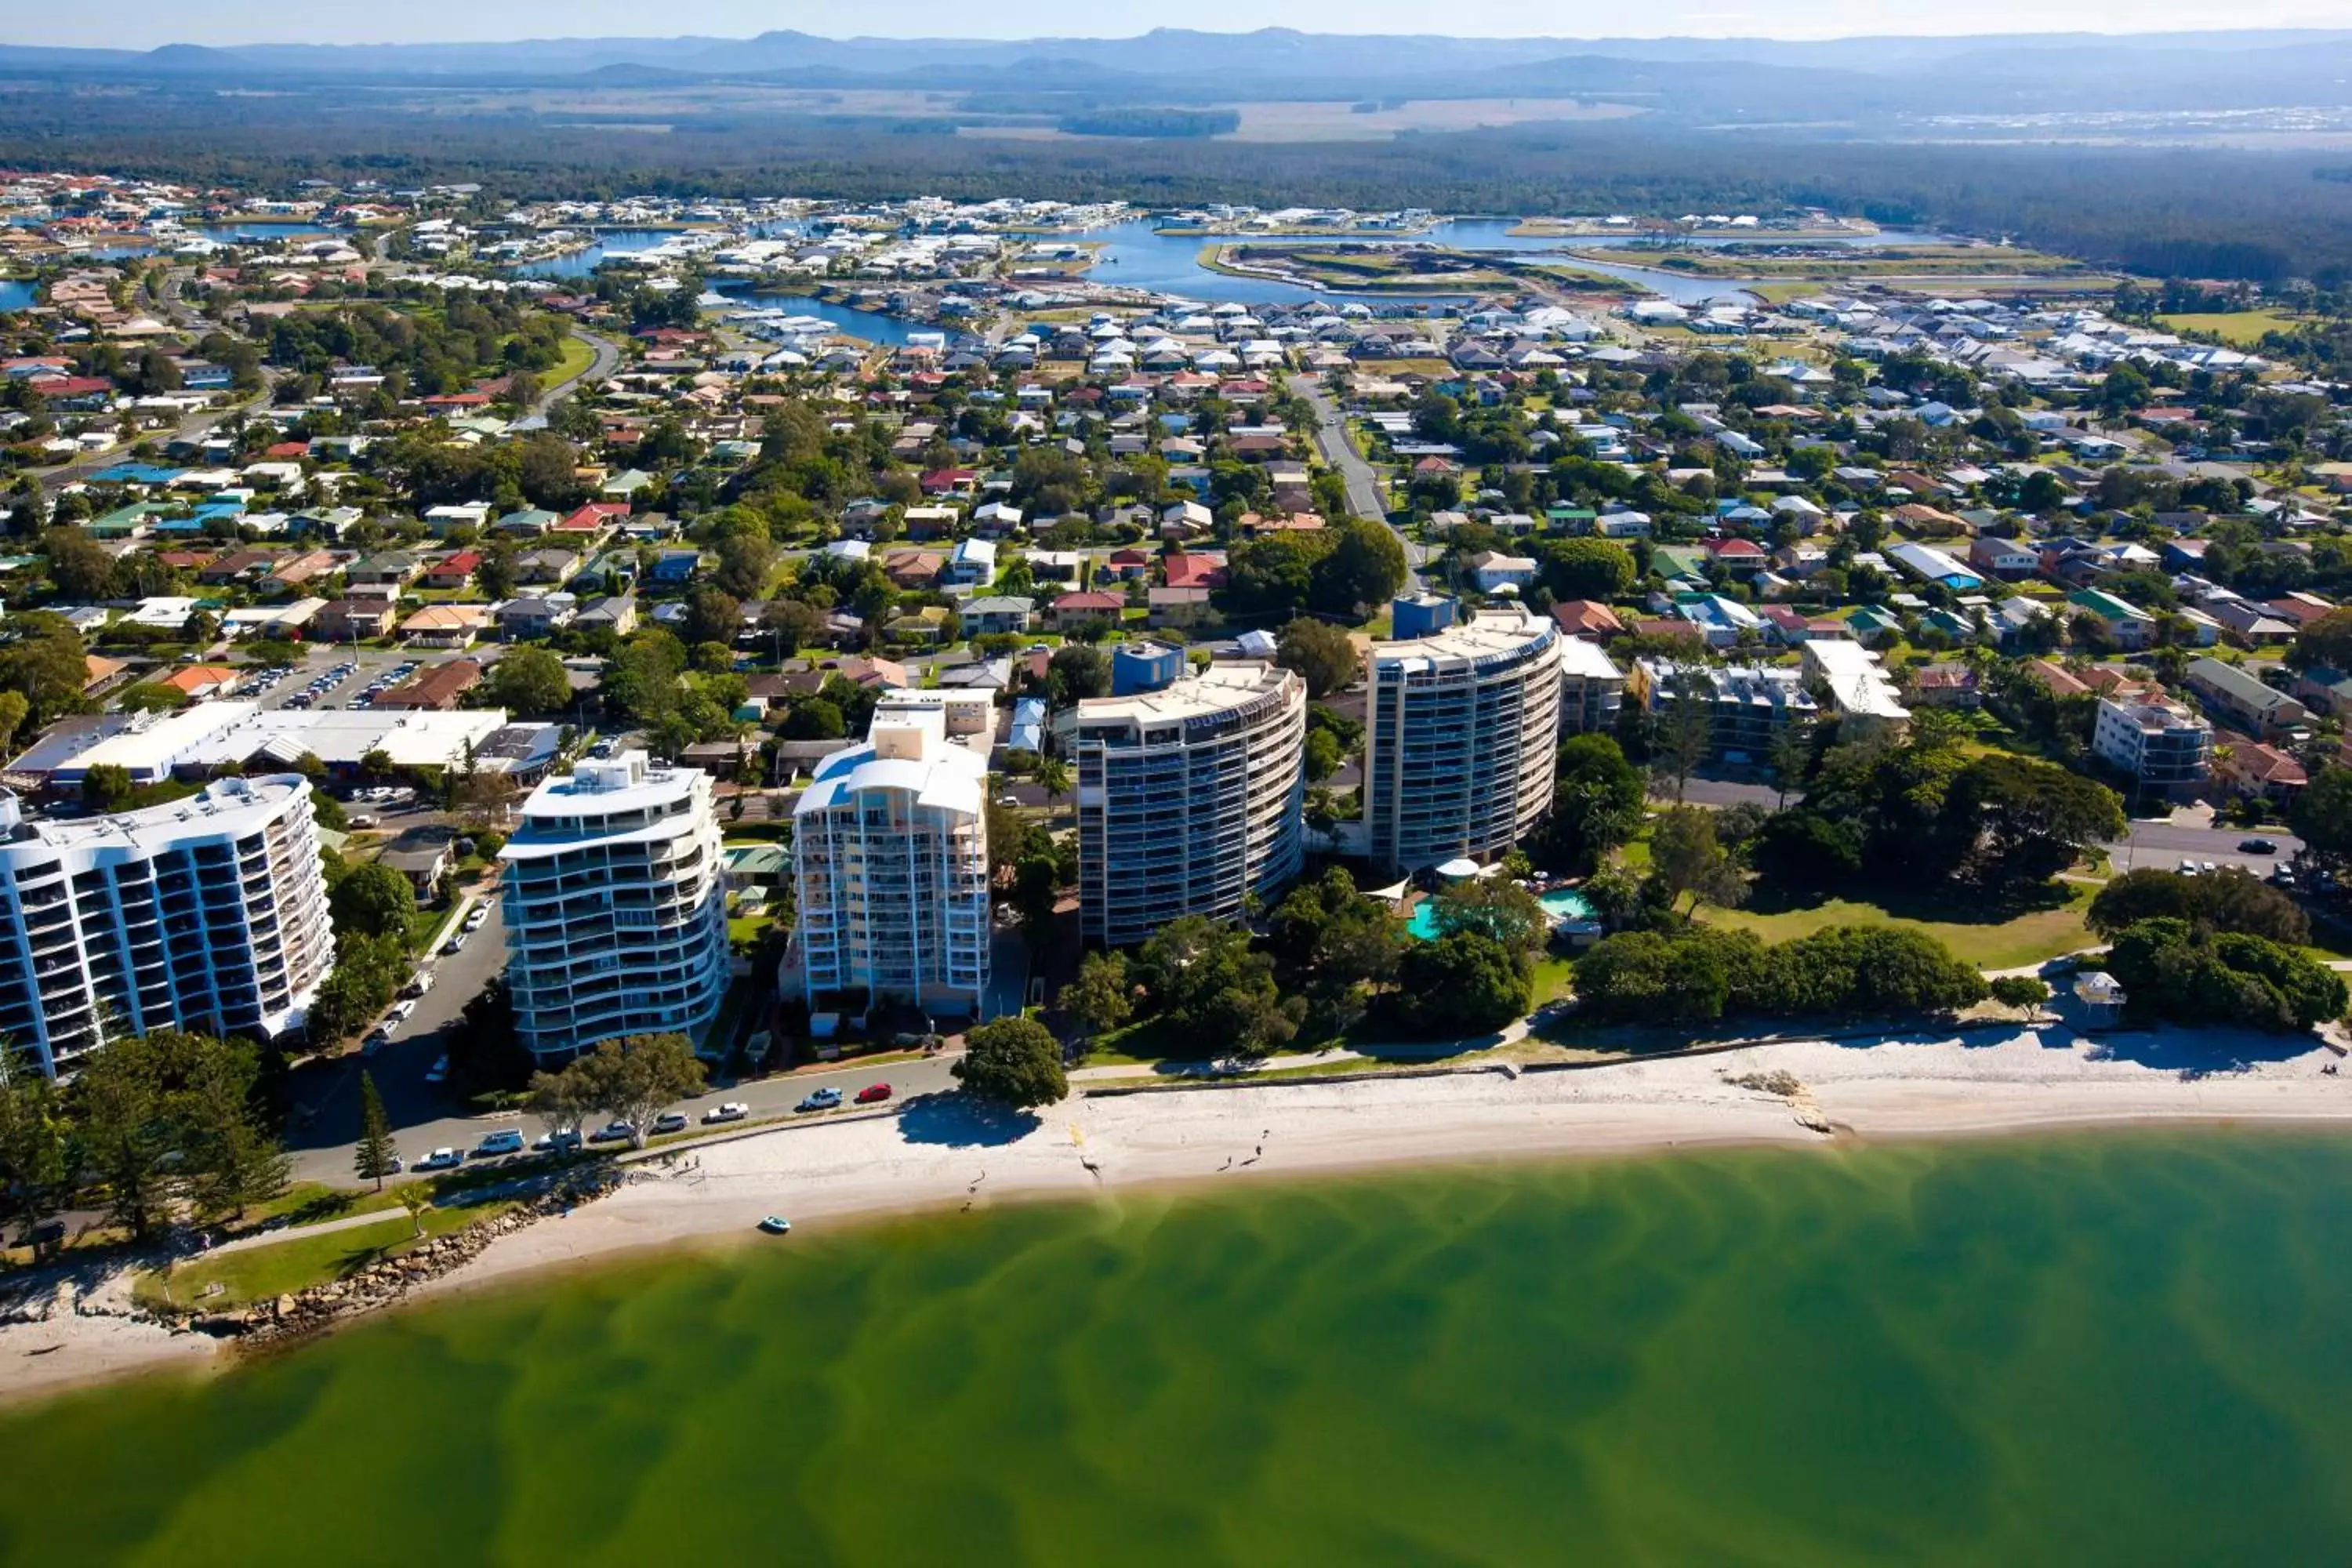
{"type": "Point", "coordinates": [1984, 1082]}
{"type": "Point", "coordinates": [937, 1154]}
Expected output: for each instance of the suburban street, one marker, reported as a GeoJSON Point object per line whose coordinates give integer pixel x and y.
{"type": "Point", "coordinates": [606, 360]}
{"type": "Point", "coordinates": [1363, 484]}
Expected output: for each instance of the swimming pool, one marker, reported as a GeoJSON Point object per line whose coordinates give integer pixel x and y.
{"type": "Point", "coordinates": [1561, 904]}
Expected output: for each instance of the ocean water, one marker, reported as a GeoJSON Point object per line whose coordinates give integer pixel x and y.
{"type": "Point", "coordinates": [2128, 1349]}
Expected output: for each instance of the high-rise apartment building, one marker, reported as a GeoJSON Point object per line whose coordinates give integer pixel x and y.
{"type": "Point", "coordinates": [1462, 727]}
{"type": "Point", "coordinates": [890, 855]}
{"type": "Point", "coordinates": [615, 906]}
{"type": "Point", "coordinates": [1189, 790]}
{"type": "Point", "coordinates": [208, 913]}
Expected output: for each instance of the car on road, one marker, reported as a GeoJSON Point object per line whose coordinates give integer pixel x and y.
{"type": "Point", "coordinates": [454, 945]}
{"type": "Point", "coordinates": [2257, 845]}
{"type": "Point", "coordinates": [733, 1111]}
{"type": "Point", "coordinates": [480, 915]}
{"type": "Point", "coordinates": [874, 1094]}
{"type": "Point", "coordinates": [377, 1039]}
{"type": "Point", "coordinates": [494, 1144]}
{"type": "Point", "coordinates": [439, 1071]}
{"type": "Point", "coordinates": [441, 1160]}
{"type": "Point", "coordinates": [820, 1100]}
{"type": "Point", "coordinates": [420, 986]}
{"type": "Point", "coordinates": [613, 1132]}
{"type": "Point", "coordinates": [670, 1121]}
{"type": "Point", "coordinates": [400, 1011]}
{"type": "Point", "coordinates": [362, 819]}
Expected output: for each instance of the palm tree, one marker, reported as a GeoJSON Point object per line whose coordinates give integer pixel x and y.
{"type": "Point", "coordinates": [1053, 778]}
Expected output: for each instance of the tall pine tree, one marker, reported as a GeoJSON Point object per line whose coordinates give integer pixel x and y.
{"type": "Point", "coordinates": [375, 1160]}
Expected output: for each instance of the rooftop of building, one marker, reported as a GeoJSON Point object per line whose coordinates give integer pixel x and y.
{"type": "Point", "coordinates": [611, 786]}
{"type": "Point", "coordinates": [1221, 688]}
{"type": "Point", "coordinates": [223, 808]}
{"type": "Point", "coordinates": [907, 750]}
{"type": "Point", "coordinates": [1499, 631]}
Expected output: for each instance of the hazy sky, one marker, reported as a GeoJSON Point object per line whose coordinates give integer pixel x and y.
{"type": "Point", "coordinates": [139, 23]}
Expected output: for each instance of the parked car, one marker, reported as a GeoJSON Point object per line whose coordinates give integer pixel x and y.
{"type": "Point", "coordinates": [613, 1132]}
{"type": "Point", "coordinates": [493, 1144]}
{"type": "Point", "coordinates": [670, 1121]}
{"type": "Point", "coordinates": [420, 986]}
{"type": "Point", "coordinates": [733, 1111]}
{"type": "Point", "coordinates": [441, 1160]}
{"type": "Point", "coordinates": [874, 1094]}
{"type": "Point", "coordinates": [400, 1011]}
{"type": "Point", "coordinates": [454, 945]}
{"type": "Point", "coordinates": [439, 1071]}
{"type": "Point", "coordinates": [480, 916]}
{"type": "Point", "coordinates": [377, 1039]}
{"type": "Point", "coordinates": [2257, 847]}
{"type": "Point", "coordinates": [557, 1142]}
{"type": "Point", "coordinates": [820, 1100]}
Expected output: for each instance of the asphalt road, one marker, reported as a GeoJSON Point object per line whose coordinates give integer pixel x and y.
{"type": "Point", "coordinates": [1363, 485]}
{"type": "Point", "coordinates": [606, 361]}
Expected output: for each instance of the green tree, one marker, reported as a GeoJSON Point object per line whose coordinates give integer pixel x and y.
{"type": "Point", "coordinates": [1208, 986]}
{"type": "Point", "coordinates": [1055, 778]}
{"type": "Point", "coordinates": [14, 707]}
{"type": "Point", "coordinates": [124, 1135]}
{"type": "Point", "coordinates": [2322, 815]}
{"type": "Point", "coordinates": [1496, 908]}
{"type": "Point", "coordinates": [2032, 819]}
{"type": "Point", "coordinates": [1363, 570]}
{"type": "Point", "coordinates": [230, 1161]}
{"type": "Point", "coordinates": [80, 568]}
{"type": "Point", "coordinates": [2022, 993]}
{"type": "Point", "coordinates": [108, 786]}
{"type": "Point", "coordinates": [1587, 569]}
{"type": "Point", "coordinates": [2325, 644]}
{"type": "Point", "coordinates": [1323, 655]}
{"type": "Point", "coordinates": [1596, 805]}
{"type": "Point", "coordinates": [2231, 901]}
{"type": "Point", "coordinates": [373, 1159]}
{"type": "Point", "coordinates": [1075, 672]}
{"type": "Point", "coordinates": [46, 664]}
{"type": "Point", "coordinates": [636, 1078]}
{"type": "Point", "coordinates": [1682, 736]}
{"type": "Point", "coordinates": [531, 680]}
{"type": "Point", "coordinates": [1014, 1061]}
{"type": "Point", "coordinates": [35, 1136]}
{"type": "Point", "coordinates": [372, 899]}
{"type": "Point", "coordinates": [711, 615]}
{"type": "Point", "coordinates": [1462, 984]}
{"type": "Point", "coordinates": [1686, 858]}
{"type": "Point", "coordinates": [1102, 996]}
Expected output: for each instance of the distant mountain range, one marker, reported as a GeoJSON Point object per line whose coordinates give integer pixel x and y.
{"type": "Point", "coordinates": [1169, 52]}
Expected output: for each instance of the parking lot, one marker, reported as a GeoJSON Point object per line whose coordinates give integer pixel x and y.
{"type": "Point", "coordinates": [329, 677]}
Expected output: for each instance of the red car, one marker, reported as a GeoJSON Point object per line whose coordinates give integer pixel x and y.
{"type": "Point", "coordinates": [873, 1093]}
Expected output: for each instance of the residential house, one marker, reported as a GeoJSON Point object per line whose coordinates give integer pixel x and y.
{"type": "Point", "coordinates": [2004, 559]}
{"type": "Point", "coordinates": [520, 620]}
{"type": "Point", "coordinates": [1086, 609]}
{"type": "Point", "coordinates": [448, 625]}
{"type": "Point", "coordinates": [616, 614]}
{"type": "Point", "coordinates": [1588, 618]}
{"type": "Point", "coordinates": [996, 613]}
{"type": "Point", "coordinates": [1179, 608]}
{"type": "Point", "coordinates": [2255, 768]}
{"type": "Point", "coordinates": [352, 620]}
{"type": "Point", "coordinates": [454, 571]}
{"type": "Point", "coordinates": [2237, 699]}
{"type": "Point", "coordinates": [437, 688]}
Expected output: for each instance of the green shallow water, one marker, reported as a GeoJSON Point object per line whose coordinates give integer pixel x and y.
{"type": "Point", "coordinates": [2121, 1349]}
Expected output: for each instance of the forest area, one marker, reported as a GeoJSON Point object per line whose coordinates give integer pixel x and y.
{"type": "Point", "coordinates": [2259, 216]}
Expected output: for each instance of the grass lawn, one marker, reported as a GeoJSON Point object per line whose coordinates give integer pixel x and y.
{"type": "Point", "coordinates": [260, 1273]}
{"type": "Point", "coordinates": [578, 355]}
{"type": "Point", "coordinates": [2024, 938]}
{"type": "Point", "coordinates": [2243, 329]}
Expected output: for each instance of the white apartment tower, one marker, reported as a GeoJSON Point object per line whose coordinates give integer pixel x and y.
{"type": "Point", "coordinates": [890, 853]}
{"type": "Point", "coordinates": [615, 906]}
{"type": "Point", "coordinates": [1189, 790]}
{"type": "Point", "coordinates": [209, 914]}
{"type": "Point", "coordinates": [1462, 723]}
